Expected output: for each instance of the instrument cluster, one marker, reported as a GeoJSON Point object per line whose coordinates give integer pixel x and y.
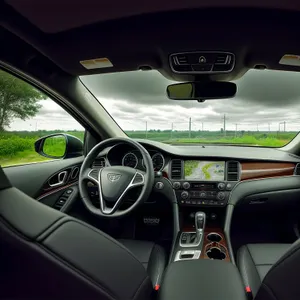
{"type": "Point", "coordinates": [134, 160]}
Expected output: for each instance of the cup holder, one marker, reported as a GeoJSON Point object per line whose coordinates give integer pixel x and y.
{"type": "Point", "coordinates": [215, 253]}
{"type": "Point", "coordinates": [214, 237]}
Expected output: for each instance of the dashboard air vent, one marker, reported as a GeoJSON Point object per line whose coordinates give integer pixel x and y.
{"type": "Point", "coordinates": [297, 169]}
{"type": "Point", "coordinates": [99, 162]}
{"type": "Point", "coordinates": [233, 171]}
{"type": "Point", "coordinates": [176, 169]}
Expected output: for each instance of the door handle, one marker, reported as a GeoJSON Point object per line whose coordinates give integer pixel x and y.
{"type": "Point", "coordinates": [60, 180]}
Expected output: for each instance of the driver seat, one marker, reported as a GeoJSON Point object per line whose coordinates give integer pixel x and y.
{"type": "Point", "coordinates": [47, 254]}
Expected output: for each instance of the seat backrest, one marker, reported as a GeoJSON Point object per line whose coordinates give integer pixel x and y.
{"type": "Point", "coordinates": [46, 254]}
{"type": "Point", "coordinates": [283, 280]}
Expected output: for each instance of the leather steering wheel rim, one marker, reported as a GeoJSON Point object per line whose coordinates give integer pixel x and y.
{"type": "Point", "coordinates": [108, 178]}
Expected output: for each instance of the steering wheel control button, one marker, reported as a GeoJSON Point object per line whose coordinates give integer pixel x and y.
{"type": "Point", "coordinates": [221, 186]}
{"type": "Point", "coordinates": [176, 185]}
{"type": "Point", "coordinates": [186, 185]}
{"type": "Point", "coordinates": [159, 185]}
{"type": "Point", "coordinates": [221, 196]}
{"type": "Point", "coordinates": [184, 195]}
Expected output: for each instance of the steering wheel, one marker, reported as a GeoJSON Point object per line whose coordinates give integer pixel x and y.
{"type": "Point", "coordinates": [114, 182]}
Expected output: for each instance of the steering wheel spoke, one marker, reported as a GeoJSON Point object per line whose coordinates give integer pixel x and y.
{"type": "Point", "coordinates": [91, 174]}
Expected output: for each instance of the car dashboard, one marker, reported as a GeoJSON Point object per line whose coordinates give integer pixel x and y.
{"type": "Point", "coordinates": [205, 176]}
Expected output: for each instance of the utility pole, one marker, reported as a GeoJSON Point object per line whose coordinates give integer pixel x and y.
{"type": "Point", "coordinates": [190, 127]}
{"type": "Point", "coordinates": [172, 130]}
{"type": "Point", "coordinates": [224, 126]}
{"type": "Point", "coordinates": [202, 126]}
{"type": "Point", "coordinates": [146, 129]}
{"type": "Point", "coordinates": [284, 126]}
{"type": "Point", "coordinates": [269, 127]}
{"type": "Point", "coordinates": [257, 127]}
{"type": "Point", "coordinates": [236, 125]}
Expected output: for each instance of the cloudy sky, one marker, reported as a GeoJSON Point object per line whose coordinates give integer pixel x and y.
{"type": "Point", "coordinates": [264, 100]}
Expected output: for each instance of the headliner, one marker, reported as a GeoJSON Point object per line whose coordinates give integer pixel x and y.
{"type": "Point", "coordinates": [53, 16]}
{"type": "Point", "coordinates": [255, 35]}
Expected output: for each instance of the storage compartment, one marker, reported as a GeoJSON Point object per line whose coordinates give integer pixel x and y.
{"type": "Point", "coordinates": [202, 279]}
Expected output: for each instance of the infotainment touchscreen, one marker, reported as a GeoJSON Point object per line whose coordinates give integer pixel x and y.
{"type": "Point", "coordinates": [204, 170]}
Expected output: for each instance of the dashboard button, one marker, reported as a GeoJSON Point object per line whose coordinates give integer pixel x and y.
{"type": "Point", "coordinates": [188, 202]}
{"type": "Point", "coordinates": [159, 185]}
{"type": "Point", "coordinates": [221, 186]}
{"type": "Point", "coordinates": [176, 185]}
{"type": "Point", "coordinates": [228, 186]}
{"type": "Point", "coordinates": [221, 196]}
{"type": "Point", "coordinates": [184, 195]}
{"type": "Point", "coordinates": [202, 195]}
{"type": "Point", "coordinates": [194, 202]}
{"type": "Point", "coordinates": [186, 185]}
{"type": "Point", "coordinates": [182, 201]}
{"type": "Point", "coordinates": [199, 202]}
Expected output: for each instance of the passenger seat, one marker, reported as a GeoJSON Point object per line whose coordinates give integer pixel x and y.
{"type": "Point", "coordinates": [256, 260]}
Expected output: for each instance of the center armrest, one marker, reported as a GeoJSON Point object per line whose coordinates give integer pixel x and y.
{"type": "Point", "coordinates": [202, 279]}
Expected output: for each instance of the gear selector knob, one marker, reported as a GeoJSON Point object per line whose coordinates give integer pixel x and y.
{"type": "Point", "coordinates": [200, 219]}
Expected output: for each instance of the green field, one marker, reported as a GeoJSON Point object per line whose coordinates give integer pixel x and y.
{"type": "Point", "coordinates": [18, 147]}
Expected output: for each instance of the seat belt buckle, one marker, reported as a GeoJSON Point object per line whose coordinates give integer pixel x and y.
{"type": "Point", "coordinates": [249, 293]}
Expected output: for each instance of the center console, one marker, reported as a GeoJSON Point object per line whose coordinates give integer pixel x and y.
{"type": "Point", "coordinates": [202, 262]}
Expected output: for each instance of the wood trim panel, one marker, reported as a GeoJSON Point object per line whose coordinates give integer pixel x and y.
{"type": "Point", "coordinates": [221, 244]}
{"type": "Point", "coordinates": [256, 170]}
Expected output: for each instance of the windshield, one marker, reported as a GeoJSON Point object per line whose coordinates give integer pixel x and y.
{"type": "Point", "coordinates": [264, 112]}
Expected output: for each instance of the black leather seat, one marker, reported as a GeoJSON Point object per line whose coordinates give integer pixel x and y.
{"type": "Point", "coordinates": [46, 254]}
{"type": "Point", "coordinates": [271, 270]}
{"type": "Point", "coordinates": [151, 255]}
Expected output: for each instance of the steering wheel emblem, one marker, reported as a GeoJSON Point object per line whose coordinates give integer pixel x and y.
{"type": "Point", "coordinates": [112, 177]}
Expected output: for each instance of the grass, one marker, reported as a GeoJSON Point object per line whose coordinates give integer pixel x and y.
{"type": "Point", "coordinates": [18, 147]}
{"type": "Point", "coordinates": [247, 140]}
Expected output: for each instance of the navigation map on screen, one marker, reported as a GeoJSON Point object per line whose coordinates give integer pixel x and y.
{"type": "Point", "coordinates": [204, 170]}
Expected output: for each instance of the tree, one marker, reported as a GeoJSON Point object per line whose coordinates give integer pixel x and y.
{"type": "Point", "coordinates": [18, 100]}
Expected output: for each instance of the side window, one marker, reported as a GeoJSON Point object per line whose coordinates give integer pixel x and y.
{"type": "Point", "coordinates": [27, 115]}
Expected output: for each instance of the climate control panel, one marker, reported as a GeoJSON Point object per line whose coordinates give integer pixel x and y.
{"type": "Point", "coordinates": [202, 193]}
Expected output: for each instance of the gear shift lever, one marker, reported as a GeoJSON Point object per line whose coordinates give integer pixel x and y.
{"type": "Point", "coordinates": [194, 239]}
{"type": "Point", "coordinates": [200, 219]}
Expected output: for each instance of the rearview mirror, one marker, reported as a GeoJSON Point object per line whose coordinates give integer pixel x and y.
{"type": "Point", "coordinates": [201, 91]}
{"type": "Point", "coordinates": [59, 146]}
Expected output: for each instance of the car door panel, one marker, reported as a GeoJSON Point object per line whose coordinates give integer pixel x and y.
{"type": "Point", "coordinates": [33, 179]}
{"type": "Point", "coordinates": [61, 199]}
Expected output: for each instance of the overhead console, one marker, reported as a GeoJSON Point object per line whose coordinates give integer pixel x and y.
{"type": "Point", "coordinates": [202, 62]}
{"type": "Point", "coordinates": [204, 183]}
